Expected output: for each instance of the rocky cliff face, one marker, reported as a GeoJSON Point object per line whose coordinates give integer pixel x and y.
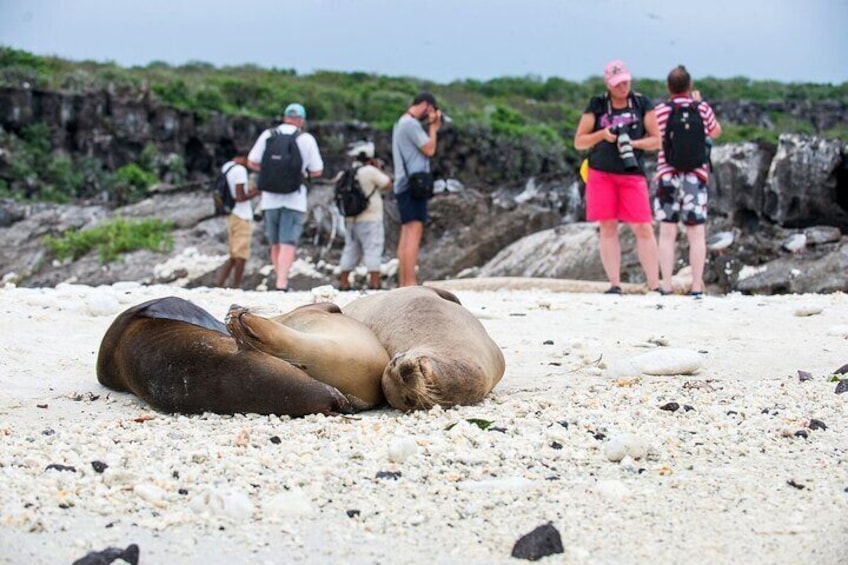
{"type": "Point", "coordinates": [115, 129]}
{"type": "Point", "coordinates": [511, 192]}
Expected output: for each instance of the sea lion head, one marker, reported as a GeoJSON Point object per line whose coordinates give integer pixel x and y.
{"type": "Point", "coordinates": [419, 379]}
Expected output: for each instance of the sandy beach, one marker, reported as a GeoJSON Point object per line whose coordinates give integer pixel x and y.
{"type": "Point", "coordinates": [644, 428]}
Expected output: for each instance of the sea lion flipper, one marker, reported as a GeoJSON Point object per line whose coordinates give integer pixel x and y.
{"type": "Point", "coordinates": [446, 294]}
{"type": "Point", "coordinates": [180, 310]}
{"type": "Point", "coordinates": [328, 307]}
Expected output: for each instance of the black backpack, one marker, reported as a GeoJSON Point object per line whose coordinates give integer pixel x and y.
{"type": "Point", "coordinates": [281, 169]}
{"type": "Point", "coordinates": [684, 142]}
{"type": "Point", "coordinates": [221, 195]}
{"type": "Point", "coordinates": [349, 196]}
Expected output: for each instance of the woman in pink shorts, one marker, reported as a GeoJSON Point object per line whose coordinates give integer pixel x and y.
{"type": "Point", "coordinates": [616, 128]}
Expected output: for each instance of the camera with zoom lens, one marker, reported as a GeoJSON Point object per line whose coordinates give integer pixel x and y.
{"type": "Point", "coordinates": [625, 148]}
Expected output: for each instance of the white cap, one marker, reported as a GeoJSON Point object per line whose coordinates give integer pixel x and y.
{"type": "Point", "coordinates": [362, 148]}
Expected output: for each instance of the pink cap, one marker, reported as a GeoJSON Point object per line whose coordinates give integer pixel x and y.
{"type": "Point", "coordinates": [615, 73]}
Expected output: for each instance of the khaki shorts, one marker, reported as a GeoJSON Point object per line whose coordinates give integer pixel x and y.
{"type": "Point", "coordinates": [240, 231]}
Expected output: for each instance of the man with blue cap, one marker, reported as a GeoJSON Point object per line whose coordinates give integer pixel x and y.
{"type": "Point", "coordinates": [285, 156]}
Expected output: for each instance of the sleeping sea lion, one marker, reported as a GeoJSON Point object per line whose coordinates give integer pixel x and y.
{"type": "Point", "coordinates": [440, 353]}
{"type": "Point", "coordinates": [329, 346]}
{"type": "Point", "coordinates": [178, 358]}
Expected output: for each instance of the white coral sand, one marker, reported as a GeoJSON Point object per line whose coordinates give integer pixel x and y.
{"type": "Point", "coordinates": [736, 460]}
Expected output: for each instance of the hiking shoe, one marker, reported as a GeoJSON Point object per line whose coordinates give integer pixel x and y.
{"type": "Point", "coordinates": [613, 290]}
{"type": "Point", "coordinates": [697, 295]}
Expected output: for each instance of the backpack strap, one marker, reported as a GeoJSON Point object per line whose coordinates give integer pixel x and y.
{"type": "Point", "coordinates": [355, 171]}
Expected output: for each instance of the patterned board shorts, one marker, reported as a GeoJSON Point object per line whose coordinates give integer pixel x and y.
{"type": "Point", "coordinates": [681, 197]}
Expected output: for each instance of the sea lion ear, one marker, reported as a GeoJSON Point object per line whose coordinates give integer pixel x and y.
{"type": "Point", "coordinates": [447, 295]}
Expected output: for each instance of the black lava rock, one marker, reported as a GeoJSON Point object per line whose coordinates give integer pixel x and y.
{"type": "Point", "coordinates": [99, 466]}
{"type": "Point", "coordinates": [817, 424]}
{"type": "Point", "coordinates": [670, 407]}
{"type": "Point", "coordinates": [60, 467]}
{"type": "Point", "coordinates": [541, 542]}
{"type": "Point", "coordinates": [394, 475]}
{"type": "Point", "coordinates": [109, 555]}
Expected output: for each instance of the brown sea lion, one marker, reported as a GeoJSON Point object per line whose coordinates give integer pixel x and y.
{"type": "Point", "coordinates": [440, 353]}
{"type": "Point", "coordinates": [331, 347]}
{"type": "Point", "coordinates": [178, 358]}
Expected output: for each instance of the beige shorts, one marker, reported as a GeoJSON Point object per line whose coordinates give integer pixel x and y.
{"type": "Point", "coordinates": [240, 231]}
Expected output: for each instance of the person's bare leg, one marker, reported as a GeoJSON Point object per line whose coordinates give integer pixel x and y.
{"type": "Point", "coordinates": [221, 279]}
{"type": "Point", "coordinates": [275, 253]}
{"type": "Point", "coordinates": [285, 259]}
{"type": "Point", "coordinates": [666, 248]}
{"type": "Point", "coordinates": [610, 250]}
{"type": "Point", "coordinates": [646, 249]}
{"type": "Point", "coordinates": [238, 271]}
{"type": "Point", "coordinates": [374, 280]}
{"type": "Point", "coordinates": [697, 236]}
{"type": "Point", "coordinates": [344, 280]}
{"type": "Point", "coordinates": [409, 244]}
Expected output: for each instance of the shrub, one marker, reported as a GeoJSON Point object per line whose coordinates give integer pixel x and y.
{"type": "Point", "coordinates": [112, 238]}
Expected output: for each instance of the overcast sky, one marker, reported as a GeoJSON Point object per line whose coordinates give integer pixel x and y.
{"type": "Point", "coordinates": [444, 40]}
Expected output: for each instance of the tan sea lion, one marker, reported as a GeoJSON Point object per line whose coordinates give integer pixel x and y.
{"type": "Point", "coordinates": [178, 358]}
{"type": "Point", "coordinates": [331, 347]}
{"type": "Point", "coordinates": [440, 353]}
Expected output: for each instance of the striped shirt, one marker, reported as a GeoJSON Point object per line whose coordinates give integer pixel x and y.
{"type": "Point", "coordinates": [707, 116]}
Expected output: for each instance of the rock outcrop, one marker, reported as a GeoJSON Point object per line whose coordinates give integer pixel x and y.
{"type": "Point", "coordinates": [520, 212]}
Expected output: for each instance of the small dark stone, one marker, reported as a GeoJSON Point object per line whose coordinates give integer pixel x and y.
{"type": "Point", "coordinates": [99, 466]}
{"type": "Point", "coordinates": [41, 406]}
{"type": "Point", "coordinates": [804, 375]}
{"type": "Point", "coordinates": [792, 483]}
{"type": "Point", "coordinates": [276, 440]}
{"type": "Point", "coordinates": [688, 408]}
{"type": "Point", "coordinates": [353, 513]}
{"type": "Point", "coordinates": [802, 433]}
{"type": "Point", "coordinates": [48, 432]}
{"type": "Point", "coordinates": [556, 445]}
{"type": "Point", "coordinates": [183, 491]}
{"type": "Point", "coordinates": [394, 475]}
{"type": "Point", "coordinates": [841, 370]}
{"type": "Point", "coordinates": [548, 342]}
{"type": "Point", "coordinates": [60, 467]}
{"type": "Point", "coordinates": [497, 429]}
{"type": "Point", "coordinates": [670, 407]}
{"type": "Point", "coordinates": [108, 555]}
{"type": "Point", "coordinates": [600, 436]}
{"type": "Point", "coordinates": [764, 411]}
{"type": "Point", "coordinates": [732, 413]}
{"type": "Point", "coordinates": [541, 542]}
{"type": "Point", "coordinates": [563, 423]}
{"type": "Point", "coordinates": [841, 386]}
{"type": "Point", "coordinates": [817, 424]}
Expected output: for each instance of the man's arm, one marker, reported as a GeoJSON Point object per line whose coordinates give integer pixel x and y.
{"type": "Point", "coordinates": [429, 148]}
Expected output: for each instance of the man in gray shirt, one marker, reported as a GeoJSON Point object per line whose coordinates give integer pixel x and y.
{"type": "Point", "coordinates": [412, 147]}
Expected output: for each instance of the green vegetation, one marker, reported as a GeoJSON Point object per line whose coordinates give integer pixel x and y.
{"type": "Point", "coordinates": [112, 238]}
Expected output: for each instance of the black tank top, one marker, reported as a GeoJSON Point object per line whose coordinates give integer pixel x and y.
{"type": "Point", "coordinates": [604, 155]}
